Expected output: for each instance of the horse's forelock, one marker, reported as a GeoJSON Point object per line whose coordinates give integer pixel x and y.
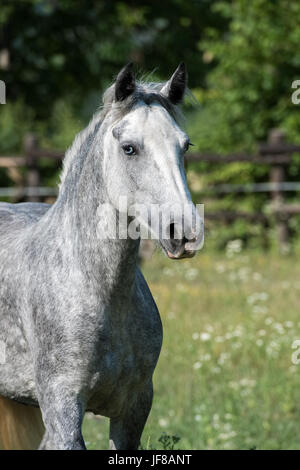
{"type": "Point", "coordinates": [148, 93]}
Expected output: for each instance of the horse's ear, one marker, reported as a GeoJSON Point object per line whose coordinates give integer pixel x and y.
{"type": "Point", "coordinates": [175, 88]}
{"type": "Point", "coordinates": [125, 83]}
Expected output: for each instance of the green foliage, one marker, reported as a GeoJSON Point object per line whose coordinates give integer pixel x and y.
{"type": "Point", "coordinates": [62, 126]}
{"type": "Point", "coordinates": [252, 235]}
{"type": "Point", "coordinates": [165, 442]}
{"type": "Point", "coordinates": [71, 48]}
{"type": "Point", "coordinates": [15, 121]}
{"type": "Point", "coordinates": [168, 442]}
{"type": "Point", "coordinates": [249, 90]}
{"type": "Point", "coordinates": [57, 132]}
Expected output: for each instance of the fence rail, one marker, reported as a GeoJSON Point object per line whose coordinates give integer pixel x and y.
{"type": "Point", "coordinates": [285, 186]}
{"type": "Point", "coordinates": [276, 159]}
{"type": "Point", "coordinates": [275, 153]}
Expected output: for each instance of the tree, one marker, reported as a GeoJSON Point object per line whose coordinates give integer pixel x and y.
{"type": "Point", "coordinates": [249, 90]}
{"type": "Point", "coordinates": [71, 48]}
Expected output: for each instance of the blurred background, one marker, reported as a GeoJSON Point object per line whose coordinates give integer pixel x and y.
{"type": "Point", "coordinates": [228, 375]}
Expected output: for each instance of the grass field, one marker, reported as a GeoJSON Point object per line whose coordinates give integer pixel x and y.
{"type": "Point", "coordinates": [225, 378]}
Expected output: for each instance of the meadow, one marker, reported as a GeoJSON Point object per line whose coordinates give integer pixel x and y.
{"type": "Point", "coordinates": [227, 377]}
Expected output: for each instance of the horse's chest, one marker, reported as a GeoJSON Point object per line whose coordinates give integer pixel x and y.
{"type": "Point", "coordinates": [127, 360]}
{"type": "Point", "coordinates": [126, 365]}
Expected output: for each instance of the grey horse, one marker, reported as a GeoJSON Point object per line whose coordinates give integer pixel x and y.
{"type": "Point", "coordinates": [79, 329]}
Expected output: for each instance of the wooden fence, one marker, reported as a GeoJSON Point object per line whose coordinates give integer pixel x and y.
{"type": "Point", "coordinates": [275, 153]}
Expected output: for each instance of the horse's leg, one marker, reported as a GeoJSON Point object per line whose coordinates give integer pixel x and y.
{"type": "Point", "coordinates": [63, 413]}
{"type": "Point", "coordinates": [126, 430]}
{"type": "Point", "coordinates": [46, 442]}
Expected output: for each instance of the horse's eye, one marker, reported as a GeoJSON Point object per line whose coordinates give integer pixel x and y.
{"type": "Point", "coordinates": [187, 146]}
{"type": "Point", "coordinates": [128, 149]}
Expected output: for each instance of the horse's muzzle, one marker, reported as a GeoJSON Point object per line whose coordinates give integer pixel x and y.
{"type": "Point", "coordinates": [182, 248]}
{"type": "Point", "coordinates": [185, 250]}
{"type": "Point", "coordinates": [184, 254]}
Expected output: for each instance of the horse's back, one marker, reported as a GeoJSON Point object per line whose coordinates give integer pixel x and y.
{"type": "Point", "coordinates": [17, 216]}
{"type": "Point", "coordinates": [16, 370]}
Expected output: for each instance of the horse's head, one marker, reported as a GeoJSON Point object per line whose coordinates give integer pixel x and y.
{"type": "Point", "coordinates": [144, 160]}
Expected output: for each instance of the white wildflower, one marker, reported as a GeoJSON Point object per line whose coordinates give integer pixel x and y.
{"type": "Point", "coordinates": [205, 336]}
{"type": "Point", "coordinates": [163, 422]}
{"type": "Point", "coordinates": [224, 436]}
{"type": "Point", "coordinates": [219, 339]}
{"type": "Point", "coordinates": [262, 332]}
{"type": "Point", "coordinates": [197, 365]}
{"type": "Point", "coordinates": [223, 357]}
{"type": "Point", "coordinates": [220, 268]}
{"type": "Point", "coordinates": [206, 357]}
{"type": "Point", "coordinates": [191, 274]}
{"type": "Point", "coordinates": [234, 247]}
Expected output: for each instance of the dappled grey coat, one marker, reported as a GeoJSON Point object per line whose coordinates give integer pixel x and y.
{"type": "Point", "coordinates": [79, 329]}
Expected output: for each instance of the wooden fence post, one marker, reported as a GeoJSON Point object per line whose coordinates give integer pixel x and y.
{"type": "Point", "coordinates": [277, 176]}
{"type": "Point", "coordinates": [33, 174]}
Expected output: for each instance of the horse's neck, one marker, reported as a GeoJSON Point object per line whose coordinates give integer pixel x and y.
{"type": "Point", "coordinates": [110, 262]}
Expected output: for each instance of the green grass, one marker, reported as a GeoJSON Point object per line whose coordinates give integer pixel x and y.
{"type": "Point", "coordinates": [225, 378]}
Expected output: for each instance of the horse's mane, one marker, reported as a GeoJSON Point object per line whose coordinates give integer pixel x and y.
{"type": "Point", "coordinates": [146, 92]}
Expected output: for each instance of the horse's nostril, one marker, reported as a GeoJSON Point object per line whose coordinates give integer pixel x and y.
{"type": "Point", "coordinates": [174, 235]}
{"type": "Point", "coordinates": [178, 242]}
{"type": "Point", "coordinates": [172, 231]}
